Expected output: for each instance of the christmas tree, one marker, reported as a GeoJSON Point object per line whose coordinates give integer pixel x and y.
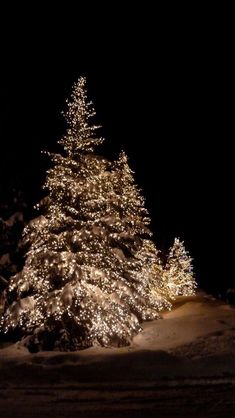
{"type": "Point", "coordinates": [143, 264]}
{"type": "Point", "coordinates": [88, 273]}
{"type": "Point", "coordinates": [178, 272]}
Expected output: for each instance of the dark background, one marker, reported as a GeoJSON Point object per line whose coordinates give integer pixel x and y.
{"type": "Point", "coordinates": [161, 83]}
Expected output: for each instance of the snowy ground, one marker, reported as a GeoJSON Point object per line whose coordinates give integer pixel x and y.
{"type": "Point", "coordinates": [182, 365]}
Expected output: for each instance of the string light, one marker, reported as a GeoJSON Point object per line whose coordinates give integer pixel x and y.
{"type": "Point", "coordinates": [178, 272]}
{"type": "Point", "coordinates": [91, 274]}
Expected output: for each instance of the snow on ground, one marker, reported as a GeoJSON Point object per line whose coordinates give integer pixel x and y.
{"type": "Point", "coordinates": [185, 361]}
{"type": "Point", "coordinates": [198, 320]}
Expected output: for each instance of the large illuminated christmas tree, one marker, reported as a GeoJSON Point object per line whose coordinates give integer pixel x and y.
{"type": "Point", "coordinates": [91, 273]}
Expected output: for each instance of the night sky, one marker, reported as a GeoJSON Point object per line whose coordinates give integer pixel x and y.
{"type": "Point", "coordinates": [161, 88]}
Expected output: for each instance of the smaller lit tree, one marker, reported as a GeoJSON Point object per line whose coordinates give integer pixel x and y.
{"type": "Point", "coordinates": [178, 272]}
